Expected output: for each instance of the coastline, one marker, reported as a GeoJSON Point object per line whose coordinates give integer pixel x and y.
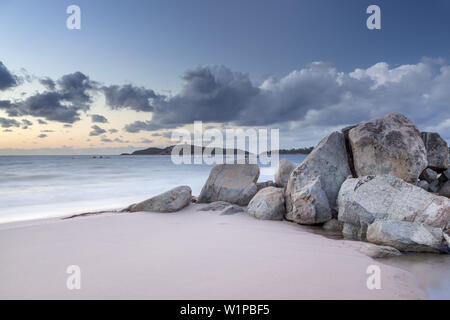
{"type": "Point", "coordinates": [187, 255]}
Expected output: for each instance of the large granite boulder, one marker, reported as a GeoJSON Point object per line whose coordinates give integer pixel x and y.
{"type": "Point", "coordinates": [283, 171]}
{"type": "Point", "coordinates": [170, 201]}
{"type": "Point", "coordinates": [390, 144]}
{"type": "Point", "coordinates": [234, 183]}
{"type": "Point", "coordinates": [267, 204]}
{"type": "Point", "coordinates": [315, 183]}
{"type": "Point", "coordinates": [366, 199]}
{"type": "Point", "coordinates": [437, 150]}
{"type": "Point", "coordinates": [407, 236]}
{"type": "Point", "coordinates": [310, 205]}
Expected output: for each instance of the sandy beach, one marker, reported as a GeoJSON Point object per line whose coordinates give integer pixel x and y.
{"type": "Point", "coordinates": [187, 255]}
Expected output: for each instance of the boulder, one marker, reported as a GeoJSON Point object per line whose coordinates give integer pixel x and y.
{"type": "Point", "coordinates": [366, 199]}
{"type": "Point", "coordinates": [445, 190]}
{"type": "Point", "coordinates": [282, 172]}
{"type": "Point", "coordinates": [372, 250]}
{"type": "Point", "coordinates": [390, 144]}
{"type": "Point", "coordinates": [407, 236]}
{"type": "Point", "coordinates": [234, 183]}
{"type": "Point", "coordinates": [437, 150]}
{"type": "Point", "coordinates": [170, 201]}
{"type": "Point", "coordinates": [333, 225]}
{"type": "Point", "coordinates": [310, 205]}
{"type": "Point", "coordinates": [325, 168]}
{"type": "Point", "coordinates": [267, 204]}
{"type": "Point", "coordinates": [233, 209]}
{"type": "Point", "coordinates": [429, 175]}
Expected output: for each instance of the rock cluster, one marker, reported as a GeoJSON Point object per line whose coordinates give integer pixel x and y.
{"type": "Point", "coordinates": [380, 181]}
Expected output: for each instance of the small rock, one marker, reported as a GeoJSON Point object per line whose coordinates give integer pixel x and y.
{"type": "Point", "coordinates": [267, 204]}
{"type": "Point", "coordinates": [372, 250]}
{"type": "Point", "coordinates": [170, 201]}
{"type": "Point", "coordinates": [333, 225]}
{"type": "Point", "coordinates": [445, 190]}
{"type": "Point", "coordinates": [434, 186]}
{"type": "Point", "coordinates": [429, 175]}
{"type": "Point", "coordinates": [446, 173]}
{"type": "Point", "coordinates": [282, 172]}
{"type": "Point", "coordinates": [424, 185]}
{"type": "Point", "coordinates": [265, 184]}
{"type": "Point", "coordinates": [215, 206]}
{"type": "Point", "coordinates": [233, 209]}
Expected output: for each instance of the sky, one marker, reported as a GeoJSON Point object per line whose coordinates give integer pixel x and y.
{"type": "Point", "coordinates": [137, 70]}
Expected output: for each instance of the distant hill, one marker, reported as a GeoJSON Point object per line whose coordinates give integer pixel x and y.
{"type": "Point", "coordinates": [168, 151]}
{"type": "Point", "coordinates": [294, 151]}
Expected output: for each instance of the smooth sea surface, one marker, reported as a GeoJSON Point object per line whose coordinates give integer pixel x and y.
{"type": "Point", "coordinates": [39, 187]}
{"type": "Point", "coordinates": [36, 187]}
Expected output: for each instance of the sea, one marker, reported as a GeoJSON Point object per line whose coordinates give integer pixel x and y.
{"type": "Point", "coordinates": [41, 187]}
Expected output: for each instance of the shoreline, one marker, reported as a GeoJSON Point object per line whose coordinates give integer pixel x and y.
{"type": "Point", "coordinates": [187, 255]}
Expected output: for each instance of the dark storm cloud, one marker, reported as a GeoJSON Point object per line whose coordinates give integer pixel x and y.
{"type": "Point", "coordinates": [8, 123]}
{"type": "Point", "coordinates": [96, 118]}
{"type": "Point", "coordinates": [96, 131]}
{"type": "Point", "coordinates": [130, 97]}
{"type": "Point", "coordinates": [48, 83]}
{"type": "Point", "coordinates": [316, 96]}
{"type": "Point", "coordinates": [7, 79]}
{"type": "Point", "coordinates": [64, 104]}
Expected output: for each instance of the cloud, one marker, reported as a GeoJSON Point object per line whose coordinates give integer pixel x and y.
{"type": "Point", "coordinates": [118, 140]}
{"type": "Point", "coordinates": [40, 121]}
{"type": "Point", "coordinates": [107, 140]}
{"type": "Point", "coordinates": [144, 140]}
{"type": "Point", "coordinates": [130, 97]}
{"type": "Point", "coordinates": [96, 131]}
{"type": "Point", "coordinates": [96, 118]}
{"type": "Point", "coordinates": [68, 126]}
{"type": "Point", "coordinates": [48, 83]}
{"type": "Point", "coordinates": [9, 123]}
{"type": "Point", "coordinates": [112, 131]}
{"type": "Point", "coordinates": [26, 124]}
{"type": "Point", "coordinates": [63, 103]}
{"type": "Point", "coordinates": [42, 136]}
{"type": "Point", "coordinates": [317, 96]}
{"type": "Point", "coordinates": [7, 79]}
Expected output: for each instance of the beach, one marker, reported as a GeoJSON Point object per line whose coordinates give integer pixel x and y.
{"type": "Point", "coordinates": [187, 255]}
